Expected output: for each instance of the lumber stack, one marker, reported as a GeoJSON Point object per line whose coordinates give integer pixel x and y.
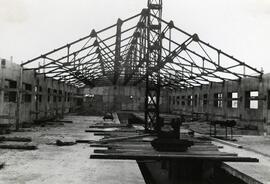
{"type": "Point", "coordinates": [127, 143]}
{"type": "Point", "coordinates": [21, 143]}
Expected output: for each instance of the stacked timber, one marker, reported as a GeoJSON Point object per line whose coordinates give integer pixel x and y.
{"type": "Point", "coordinates": [128, 143]}
{"type": "Point", "coordinates": [21, 143]}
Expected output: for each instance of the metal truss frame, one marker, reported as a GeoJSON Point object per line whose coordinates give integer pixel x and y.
{"type": "Point", "coordinates": [141, 50]}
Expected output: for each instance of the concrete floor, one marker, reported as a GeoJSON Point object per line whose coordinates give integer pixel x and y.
{"type": "Point", "coordinates": [51, 164]}
{"type": "Point", "coordinates": [252, 146]}
{"type": "Point", "coordinates": [251, 173]}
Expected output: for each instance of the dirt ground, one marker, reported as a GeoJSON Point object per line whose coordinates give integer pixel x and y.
{"type": "Point", "coordinates": [50, 164]}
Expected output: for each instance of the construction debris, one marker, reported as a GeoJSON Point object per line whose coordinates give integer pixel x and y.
{"type": "Point", "coordinates": [65, 143]}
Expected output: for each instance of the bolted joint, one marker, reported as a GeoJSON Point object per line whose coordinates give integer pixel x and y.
{"type": "Point", "coordinates": [93, 33]}
{"type": "Point", "coordinates": [137, 34]}
{"type": "Point", "coordinates": [162, 35]}
{"type": "Point", "coordinates": [119, 22]}
{"type": "Point", "coordinates": [183, 46]}
{"type": "Point", "coordinates": [169, 59]}
{"type": "Point", "coordinates": [174, 54]}
{"type": "Point", "coordinates": [97, 51]}
{"type": "Point", "coordinates": [171, 24]}
{"type": "Point", "coordinates": [140, 25]}
{"type": "Point", "coordinates": [95, 44]}
{"type": "Point", "coordinates": [195, 38]}
{"type": "Point", "coordinates": [220, 69]}
{"type": "Point", "coordinates": [145, 12]}
{"type": "Point", "coordinates": [99, 57]}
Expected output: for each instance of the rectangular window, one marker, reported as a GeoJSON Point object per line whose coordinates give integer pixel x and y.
{"type": "Point", "coordinates": [235, 100]}
{"type": "Point", "coordinates": [232, 100]}
{"type": "Point", "coordinates": [27, 87]}
{"type": "Point", "coordinates": [12, 84]}
{"type": "Point", "coordinates": [183, 102]}
{"type": "Point", "coordinates": [178, 100]}
{"type": "Point", "coordinates": [173, 102]}
{"type": "Point", "coordinates": [195, 100]}
{"type": "Point", "coordinates": [27, 98]}
{"type": "Point", "coordinates": [49, 94]}
{"type": "Point", "coordinates": [65, 96]}
{"type": "Point", "coordinates": [251, 99]}
{"type": "Point", "coordinates": [55, 95]}
{"type": "Point", "coordinates": [190, 100]}
{"type": "Point", "coordinates": [254, 103]}
{"type": "Point", "coordinates": [218, 101]}
{"type": "Point", "coordinates": [40, 98]}
{"type": "Point", "coordinates": [205, 99]}
{"type": "Point", "coordinates": [10, 96]}
{"type": "Point", "coordinates": [60, 96]}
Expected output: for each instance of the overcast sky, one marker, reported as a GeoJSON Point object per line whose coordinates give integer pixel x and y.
{"type": "Point", "coordinates": [29, 28]}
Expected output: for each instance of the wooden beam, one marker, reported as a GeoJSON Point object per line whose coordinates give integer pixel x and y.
{"type": "Point", "coordinates": [161, 156]}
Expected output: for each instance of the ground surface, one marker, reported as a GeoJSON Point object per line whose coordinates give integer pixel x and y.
{"type": "Point", "coordinates": [51, 164]}
{"type": "Point", "coordinates": [251, 172]}
{"type": "Point", "coordinates": [252, 146]}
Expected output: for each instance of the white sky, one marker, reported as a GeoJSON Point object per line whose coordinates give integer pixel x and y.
{"type": "Point", "coordinates": [29, 28]}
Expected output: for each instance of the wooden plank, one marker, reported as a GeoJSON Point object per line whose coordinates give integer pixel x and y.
{"type": "Point", "coordinates": [174, 157]}
{"type": "Point", "coordinates": [102, 134]}
{"type": "Point", "coordinates": [18, 146]}
{"type": "Point", "coordinates": [61, 121]}
{"type": "Point", "coordinates": [93, 130]}
{"type": "Point", "coordinates": [16, 139]}
{"type": "Point", "coordinates": [116, 134]}
{"type": "Point", "coordinates": [142, 152]}
{"type": "Point", "coordinates": [108, 126]}
{"type": "Point", "coordinates": [148, 146]}
{"type": "Point", "coordinates": [83, 141]}
{"type": "Point", "coordinates": [99, 145]}
{"type": "Point", "coordinates": [123, 138]}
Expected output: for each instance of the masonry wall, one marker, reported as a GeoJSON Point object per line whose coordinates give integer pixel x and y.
{"type": "Point", "coordinates": [246, 113]}
{"type": "Point", "coordinates": [40, 97]}
{"type": "Point", "coordinates": [115, 98]}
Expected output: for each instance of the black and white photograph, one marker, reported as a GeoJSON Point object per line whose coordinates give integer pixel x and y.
{"type": "Point", "coordinates": [134, 92]}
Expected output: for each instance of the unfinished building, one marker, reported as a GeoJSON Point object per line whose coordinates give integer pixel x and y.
{"type": "Point", "coordinates": [162, 75]}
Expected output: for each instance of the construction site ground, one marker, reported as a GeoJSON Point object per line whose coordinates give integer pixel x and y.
{"type": "Point", "coordinates": [68, 164]}
{"type": "Point", "coordinates": [246, 143]}
{"type": "Point", "coordinates": [71, 164]}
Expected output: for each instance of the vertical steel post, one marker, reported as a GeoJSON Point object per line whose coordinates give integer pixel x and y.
{"type": "Point", "coordinates": [117, 51]}
{"type": "Point", "coordinates": [153, 58]}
